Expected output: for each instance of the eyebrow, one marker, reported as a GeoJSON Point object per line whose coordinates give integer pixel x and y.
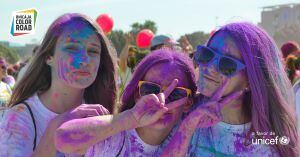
{"type": "Point", "coordinates": [72, 40]}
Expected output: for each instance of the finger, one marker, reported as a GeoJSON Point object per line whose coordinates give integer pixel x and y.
{"type": "Point", "coordinates": [161, 97]}
{"type": "Point", "coordinates": [100, 109]}
{"type": "Point", "coordinates": [218, 94]}
{"type": "Point", "coordinates": [230, 98]}
{"type": "Point", "coordinates": [159, 113]}
{"type": "Point", "coordinates": [151, 98]}
{"type": "Point", "coordinates": [106, 112]}
{"type": "Point", "coordinates": [88, 113]}
{"type": "Point", "coordinates": [170, 88]}
{"type": "Point", "coordinates": [176, 103]}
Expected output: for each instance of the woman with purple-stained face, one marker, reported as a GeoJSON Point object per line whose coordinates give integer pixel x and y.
{"type": "Point", "coordinates": [261, 121]}
{"type": "Point", "coordinates": [161, 90]}
{"type": "Point", "coordinates": [71, 75]}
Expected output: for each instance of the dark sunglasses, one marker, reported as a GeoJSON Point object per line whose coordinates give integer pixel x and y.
{"type": "Point", "coordinates": [146, 88]}
{"type": "Point", "coordinates": [226, 65]}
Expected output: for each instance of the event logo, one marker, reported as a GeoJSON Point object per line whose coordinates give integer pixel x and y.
{"type": "Point", "coordinates": [23, 22]}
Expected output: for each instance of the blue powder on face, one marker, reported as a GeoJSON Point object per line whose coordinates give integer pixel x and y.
{"type": "Point", "coordinates": [81, 31]}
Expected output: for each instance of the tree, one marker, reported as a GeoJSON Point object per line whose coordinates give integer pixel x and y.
{"type": "Point", "coordinates": [196, 38]}
{"type": "Point", "coordinates": [148, 24]}
{"type": "Point", "coordinates": [117, 37]}
{"type": "Point", "coordinates": [10, 55]}
{"type": "Point", "coordinates": [118, 40]}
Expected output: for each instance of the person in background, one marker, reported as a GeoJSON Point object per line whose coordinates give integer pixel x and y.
{"type": "Point", "coordinates": [164, 41]}
{"type": "Point", "coordinates": [186, 46]}
{"type": "Point", "coordinates": [288, 48]}
{"type": "Point", "coordinates": [5, 90]}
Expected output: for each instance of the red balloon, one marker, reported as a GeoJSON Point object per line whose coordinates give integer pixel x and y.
{"type": "Point", "coordinates": [144, 38]}
{"type": "Point", "coordinates": [106, 22]}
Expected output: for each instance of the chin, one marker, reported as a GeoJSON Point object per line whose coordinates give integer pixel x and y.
{"type": "Point", "coordinates": [80, 84]}
{"type": "Point", "coordinates": [167, 121]}
{"type": "Point", "coordinates": [207, 90]}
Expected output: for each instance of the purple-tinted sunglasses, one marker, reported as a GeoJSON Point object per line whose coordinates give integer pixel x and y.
{"type": "Point", "coordinates": [226, 65]}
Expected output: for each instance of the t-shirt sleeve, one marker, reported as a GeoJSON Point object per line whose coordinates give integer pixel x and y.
{"type": "Point", "coordinates": [109, 147]}
{"type": "Point", "coordinates": [16, 133]}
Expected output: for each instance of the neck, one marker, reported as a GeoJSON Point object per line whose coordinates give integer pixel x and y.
{"type": "Point", "coordinates": [153, 136]}
{"type": "Point", "coordinates": [60, 98]}
{"type": "Point", "coordinates": [233, 113]}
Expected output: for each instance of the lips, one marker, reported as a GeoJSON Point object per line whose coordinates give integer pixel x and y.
{"type": "Point", "coordinates": [211, 79]}
{"type": "Point", "coordinates": [82, 73]}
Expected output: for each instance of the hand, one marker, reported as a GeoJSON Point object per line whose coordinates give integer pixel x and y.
{"type": "Point", "coordinates": [209, 113]}
{"type": "Point", "coordinates": [128, 37]}
{"type": "Point", "coordinates": [151, 107]}
{"type": "Point", "coordinates": [82, 111]}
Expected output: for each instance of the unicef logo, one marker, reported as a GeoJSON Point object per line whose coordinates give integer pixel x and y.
{"type": "Point", "coordinates": [284, 140]}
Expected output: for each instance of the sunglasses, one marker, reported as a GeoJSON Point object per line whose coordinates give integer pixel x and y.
{"type": "Point", "coordinates": [226, 65]}
{"type": "Point", "coordinates": [146, 88]}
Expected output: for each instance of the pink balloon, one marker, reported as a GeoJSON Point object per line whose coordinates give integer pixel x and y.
{"type": "Point", "coordinates": [144, 37]}
{"type": "Point", "coordinates": [106, 22]}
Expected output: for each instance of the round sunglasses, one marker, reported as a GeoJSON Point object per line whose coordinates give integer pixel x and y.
{"type": "Point", "coordinates": [146, 88]}
{"type": "Point", "coordinates": [226, 65]}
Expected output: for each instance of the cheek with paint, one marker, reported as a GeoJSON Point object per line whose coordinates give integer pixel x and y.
{"type": "Point", "coordinates": [63, 70]}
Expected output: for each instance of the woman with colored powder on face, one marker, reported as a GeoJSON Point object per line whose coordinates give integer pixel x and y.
{"type": "Point", "coordinates": [73, 65]}
{"type": "Point", "coordinates": [245, 57]}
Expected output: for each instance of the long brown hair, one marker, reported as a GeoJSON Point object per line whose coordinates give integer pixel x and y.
{"type": "Point", "coordinates": [38, 75]}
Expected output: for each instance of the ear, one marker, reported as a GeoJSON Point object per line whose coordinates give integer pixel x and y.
{"type": "Point", "coordinates": [188, 105]}
{"type": "Point", "coordinates": [50, 60]}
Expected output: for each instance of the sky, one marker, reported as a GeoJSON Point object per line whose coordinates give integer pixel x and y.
{"type": "Point", "coordinates": [173, 17]}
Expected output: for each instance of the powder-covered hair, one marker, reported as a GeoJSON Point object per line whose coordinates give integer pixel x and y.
{"type": "Point", "coordinates": [271, 101]}
{"type": "Point", "coordinates": [156, 57]}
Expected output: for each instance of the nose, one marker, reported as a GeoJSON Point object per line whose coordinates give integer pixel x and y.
{"type": "Point", "coordinates": [212, 68]}
{"type": "Point", "coordinates": [81, 59]}
{"type": "Point", "coordinates": [84, 58]}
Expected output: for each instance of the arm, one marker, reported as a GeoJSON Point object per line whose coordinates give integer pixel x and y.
{"type": "Point", "coordinates": [79, 134]}
{"type": "Point", "coordinates": [124, 54]}
{"type": "Point", "coordinates": [46, 144]}
{"type": "Point", "coordinates": [178, 145]}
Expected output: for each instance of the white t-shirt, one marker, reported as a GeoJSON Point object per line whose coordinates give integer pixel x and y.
{"type": "Point", "coordinates": [127, 144]}
{"type": "Point", "coordinates": [227, 140]}
{"type": "Point", "coordinates": [17, 130]}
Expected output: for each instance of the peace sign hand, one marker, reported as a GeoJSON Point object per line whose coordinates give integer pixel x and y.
{"type": "Point", "coordinates": [151, 108]}
{"type": "Point", "coordinates": [209, 113]}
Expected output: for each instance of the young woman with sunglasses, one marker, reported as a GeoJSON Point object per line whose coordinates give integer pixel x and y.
{"type": "Point", "coordinates": [73, 65]}
{"type": "Point", "coordinates": [245, 57]}
{"type": "Point", "coordinates": [161, 89]}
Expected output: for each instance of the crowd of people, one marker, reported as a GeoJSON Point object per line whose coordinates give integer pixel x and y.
{"type": "Point", "coordinates": [76, 98]}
